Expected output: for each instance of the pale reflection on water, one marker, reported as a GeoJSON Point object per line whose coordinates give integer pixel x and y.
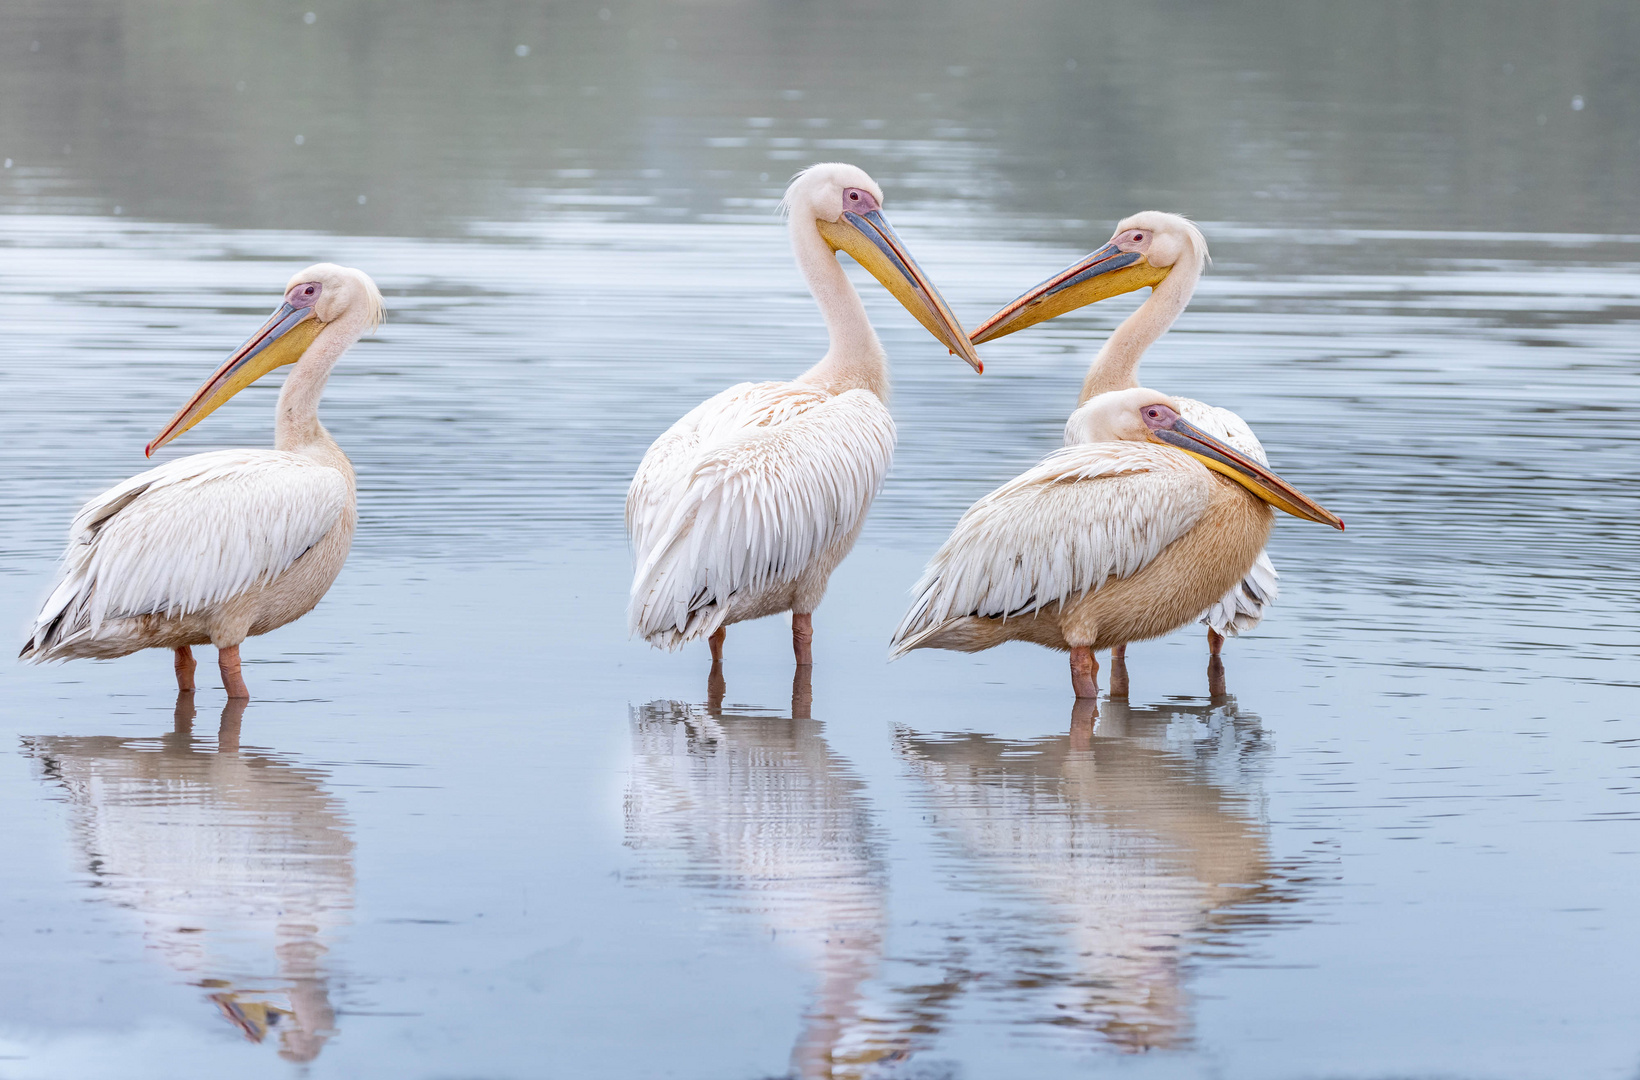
{"type": "Point", "coordinates": [1137, 839]}
{"type": "Point", "coordinates": [1139, 835]}
{"type": "Point", "coordinates": [756, 811]}
{"type": "Point", "coordinates": [237, 863]}
{"type": "Point", "coordinates": [1405, 848]}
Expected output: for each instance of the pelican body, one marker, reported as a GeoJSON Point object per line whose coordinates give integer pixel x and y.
{"type": "Point", "coordinates": [1127, 533]}
{"type": "Point", "coordinates": [1168, 253]}
{"type": "Point", "coordinates": [745, 506]}
{"type": "Point", "coordinates": [221, 546]}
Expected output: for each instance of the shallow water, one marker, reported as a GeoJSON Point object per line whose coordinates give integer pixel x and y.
{"type": "Point", "coordinates": [468, 828]}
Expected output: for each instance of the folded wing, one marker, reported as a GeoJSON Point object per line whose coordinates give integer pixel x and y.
{"type": "Point", "coordinates": [186, 535]}
{"type": "Point", "coordinates": [743, 494]}
{"type": "Point", "coordinates": [1086, 514]}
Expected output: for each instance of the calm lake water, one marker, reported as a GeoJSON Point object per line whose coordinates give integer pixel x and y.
{"type": "Point", "coordinates": [466, 828]}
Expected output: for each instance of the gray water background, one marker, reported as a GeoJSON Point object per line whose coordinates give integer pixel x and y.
{"type": "Point", "coordinates": [467, 829]}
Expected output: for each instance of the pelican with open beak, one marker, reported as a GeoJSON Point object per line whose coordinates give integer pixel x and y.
{"type": "Point", "coordinates": [745, 506]}
{"type": "Point", "coordinates": [1127, 533]}
{"type": "Point", "coordinates": [225, 545]}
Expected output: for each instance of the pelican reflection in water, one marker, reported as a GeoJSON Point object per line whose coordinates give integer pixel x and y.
{"type": "Point", "coordinates": [758, 811]}
{"type": "Point", "coordinates": [237, 863]}
{"type": "Point", "coordinates": [1140, 840]}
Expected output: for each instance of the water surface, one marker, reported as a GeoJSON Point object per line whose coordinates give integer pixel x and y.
{"type": "Point", "coordinates": [467, 827]}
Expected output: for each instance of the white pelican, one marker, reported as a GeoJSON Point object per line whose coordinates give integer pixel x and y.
{"type": "Point", "coordinates": [1167, 252]}
{"type": "Point", "coordinates": [221, 546]}
{"type": "Point", "coordinates": [1109, 540]}
{"type": "Point", "coordinates": [745, 506]}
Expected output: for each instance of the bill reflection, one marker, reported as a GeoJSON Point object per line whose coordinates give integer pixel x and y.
{"type": "Point", "coordinates": [1140, 839]}
{"type": "Point", "coordinates": [237, 863]}
{"type": "Point", "coordinates": [753, 809]}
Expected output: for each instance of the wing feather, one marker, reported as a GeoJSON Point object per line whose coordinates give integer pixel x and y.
{"type": "Point", "coordinates": [1087, 513]}
{"type": "Point", "coordinates": [744, 494]}
{"type": "Point", "coordinates": [186, 535]}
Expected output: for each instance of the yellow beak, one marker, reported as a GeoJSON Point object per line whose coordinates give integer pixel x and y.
{"type": "Point", "coordinates": [282, 340]}
{"type": "Point", "coordinates": [1106, 273]}
{"type": "Point", "coordinates": [874, 245]}
{"type": "Point", "coordinates": [1223, 458]}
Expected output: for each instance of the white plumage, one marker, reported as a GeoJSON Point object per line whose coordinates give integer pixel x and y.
{"type": "Point", "coordinates": [1125, 534]}
{"type": "Point", "coordinates": [1168, 253]}
{"type": "Point", "coordinates": [745, 498]}
{"type": "Point", "coordinates": [745, 506]}
{"type": "Point", "coordinates": [221, 546]}
{"type": "Point", "coordinates": [1087, 514]}
{"type": "Point", "coordinates": [181, 537]}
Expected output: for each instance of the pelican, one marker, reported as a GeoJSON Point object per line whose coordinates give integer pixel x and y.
{"type": "Point", "coordinates": [1128, 532]}
{"type": "Point", "coordinates": [1166, 252]}
{"type": "Point", "coordinates": [745, 506]}
{"type": "Point", "coordinates": [225, 545]}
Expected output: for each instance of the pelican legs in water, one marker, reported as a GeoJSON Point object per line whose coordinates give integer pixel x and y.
{"type": "Point", "coordinates": [802, 640]}
{"type": "Point", "coordinates": [802, 691]}
{"type": "Point", "coordinates": [227, 661]}
{"type": "Point", "coordinates": [1119, 672]}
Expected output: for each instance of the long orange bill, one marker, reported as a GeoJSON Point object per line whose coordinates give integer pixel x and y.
{"type": "Point", "coordinates": [875, 245]}
{"type": "Point", "coordinates": [1104, 273]}
{"type": "Point", "coordinates": [281, 340]}
{"type": "Point", "coordinates": [1223, 458]}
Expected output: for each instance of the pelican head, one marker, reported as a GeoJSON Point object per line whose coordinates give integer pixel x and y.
{"type": "Point", "coordinates": [323, 295]}
{"type": "Point", "coordinates": [1141, 415]}
{"type": "Point", "coordinates": [1143, 250]}
{"type": "Point", "coordinates": [846, 207]}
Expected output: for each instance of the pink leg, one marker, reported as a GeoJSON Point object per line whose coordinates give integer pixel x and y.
{"type": "Point", "coordinates": [715, 642]}
{"type": "Point", "coordinates": [1215, 641]}
{"type": "Point", "coordinates": [185, 668]}
{"type": "Point", "coordinates": [1118, 672]}
{"type": "Point", "coordinates": [227, 659]}
{"type": "Point", "coordinates": [1084, 672]}
{"type": "Point", "coordinates": [803, 637]}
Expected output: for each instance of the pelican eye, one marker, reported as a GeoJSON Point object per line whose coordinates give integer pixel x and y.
{"type": "Point", "coordinates": [304, 295]}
